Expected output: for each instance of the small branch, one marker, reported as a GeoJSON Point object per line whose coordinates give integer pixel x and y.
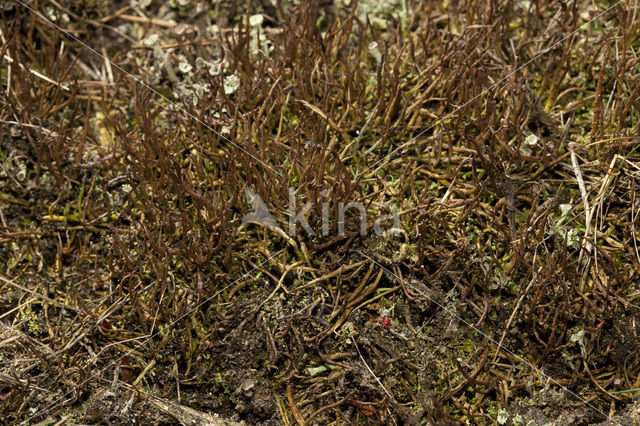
{"type": "Point", "coordinates": [370, 371]}
{"type": "Point", "coordinates": [583, 193]}
{"type": "Point", "coordinates": [39, 75]}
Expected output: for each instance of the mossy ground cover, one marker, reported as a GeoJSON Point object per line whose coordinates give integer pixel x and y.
{"type": "Point", "coordinates": [501, 136]}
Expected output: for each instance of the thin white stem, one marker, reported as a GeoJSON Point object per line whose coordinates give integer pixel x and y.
{"type": "Point", "coordinates": [583, 193]}
{"type": "Point", "coordinates": [370, 371]}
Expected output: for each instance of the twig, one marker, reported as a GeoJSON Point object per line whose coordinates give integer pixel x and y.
{"type": "Point", "coordinates": [39, 75]}
{"type": "Point", "coordinates": [585, 200]}
{"type": "Point", "coordinates": [370, 371]}
{"type": "Point", "coordinates": [107, 65]}
{"type": "Point", "coordinates": [513, 314]}
{"type": "Point", "coordinates": [331, 274]}
{"type": "Point", "coordinates": [39, 296]}
{"type": "Point", "coordinates": [187, 415]}
{"type": "Point", "coordinates": [275, 290]}
{"type": "Point", "coordinates": [294, 408]}
{"type": "Point", "coordinates": [158, 22]}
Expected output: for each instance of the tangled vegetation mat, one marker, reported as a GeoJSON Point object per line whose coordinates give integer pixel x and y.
{"type": "Point", "coordinates": [373, 212]}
